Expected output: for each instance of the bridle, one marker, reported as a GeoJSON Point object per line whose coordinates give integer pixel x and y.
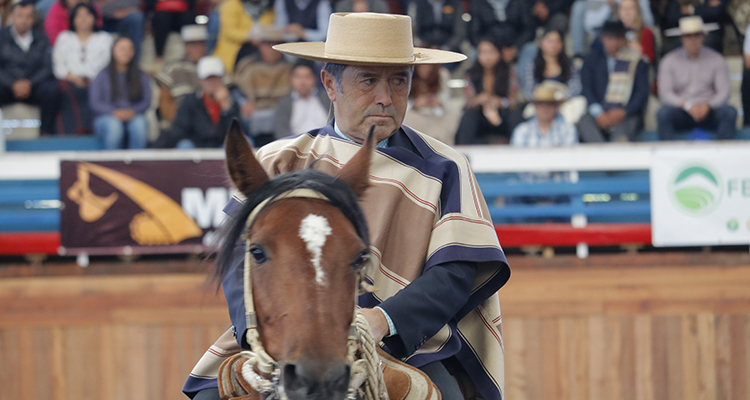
{"type": "Point", "coordinates": [366, 378]}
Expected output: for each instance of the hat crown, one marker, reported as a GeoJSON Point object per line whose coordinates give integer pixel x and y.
{"type": "Point", "coordinates": [370, 35]}
{"type": "Point", "coordinates": [193, 33]}
{"type": "Point", "coordinates": [209, 66]}
{"type": "Point", "coordinates": [691, 24]}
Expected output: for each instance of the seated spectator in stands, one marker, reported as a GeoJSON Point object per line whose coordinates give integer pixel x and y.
{"type": "Point", "coordinates": [305, 108]}
{"type": "Point", "coordinates": [491, 111]}
{"type": "Point", "coordinates": [204, 116]}
{"type": "Point", "coordinates": [550, 14]}
{"type": "Point", "coordinates": [551, 63]}
{"type": "Point", "coordinates": [428, 109]}
{"type": "Point", "coordinates": [261, 82]}
{"type": "Point", "coordinates": [238, 18]}
{"type": "Point", "coordinates": [304, 19]}
{"type": "Point", "coordinates": [694, 87]}
{"type": "Point", "coordinates": [586, 16]}
{"type": "Point", "coordinates": [58, 18]}
{"type": "Point", "coordinates": [26, 66]}
{"type": "Point", "coordinates": [547, 128]}
{"type": "Point", "coordinates": [376, 6]}
{"type": "Point", "coordinates": [711, 11]}
{"type": "Point", "coordinates": [438, 23]}
{"type": "Point", "coordinates": [120, 95]}
{"type": "Point", "coordinates": [77, 58]}
{"type": "Point", "coordinates": [486, 20]}
{"type": "Point", "coordinates": [124, 18]}
{"type": "Point", "coordinates": [179, 78]}
{"type": "Point", "coordinates": [746, 79]}
{"type": "Point", "coordinates": [168, 16]}
{"type": "Point", "coordinates": [615, 83]}
{"type": "Point", "coordinates": [640, 38]}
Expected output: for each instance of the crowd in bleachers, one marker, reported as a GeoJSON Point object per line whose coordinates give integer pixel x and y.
{"type": "Point", "coordinates": [539, 73]}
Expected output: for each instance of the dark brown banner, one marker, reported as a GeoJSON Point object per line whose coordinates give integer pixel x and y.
{"type": "Point", "coordinates": [141, 206]}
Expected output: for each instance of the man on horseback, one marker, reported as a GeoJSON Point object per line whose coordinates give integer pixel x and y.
{"type": "Point", "coordinates": [437, 261]}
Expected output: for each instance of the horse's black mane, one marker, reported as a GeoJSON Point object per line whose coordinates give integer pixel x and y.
{"type": "Point", "coordinates": [337, 192]}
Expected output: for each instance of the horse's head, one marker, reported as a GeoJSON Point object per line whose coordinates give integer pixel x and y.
{"type": "Point", "coordinates": [305, 247]}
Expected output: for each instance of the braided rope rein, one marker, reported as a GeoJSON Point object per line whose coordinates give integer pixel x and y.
{"type": "Point", "coordinates": [366, 379]}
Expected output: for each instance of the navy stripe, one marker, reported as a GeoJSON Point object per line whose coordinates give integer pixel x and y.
{"type": "Point", "coordinates": [194, 385]}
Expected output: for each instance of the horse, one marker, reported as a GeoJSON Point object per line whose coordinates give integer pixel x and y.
{"type": "Point", "coordinates": [306, 249]}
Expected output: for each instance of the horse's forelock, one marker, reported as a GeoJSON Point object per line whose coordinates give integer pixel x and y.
{"type": "Point", "coordinates": [337, 192]}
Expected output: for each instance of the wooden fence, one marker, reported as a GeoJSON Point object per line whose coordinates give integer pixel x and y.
{"type": "Point", "coordinates": [664, 326]}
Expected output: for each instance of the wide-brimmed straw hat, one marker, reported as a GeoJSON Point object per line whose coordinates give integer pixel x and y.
{"type": "Point", "coordinates": [369, 39]}
{"type": "Point", "coordinates": [691, 25]}
{"type": "Point", "coordinates": [549, 92]}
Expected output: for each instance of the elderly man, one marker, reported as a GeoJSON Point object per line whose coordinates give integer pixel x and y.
{"type": "Point", "coordinates": [694, 86]}
{"type": "Point", "coordinates": [439, 264]}
{"type": "Point", "coordinates": [26, 66]}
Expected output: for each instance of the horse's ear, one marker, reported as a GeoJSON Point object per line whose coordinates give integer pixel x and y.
{"type": "Point", "coordinates": [244, 169]}
{"type": "Point", "coordinates": [356, 173]}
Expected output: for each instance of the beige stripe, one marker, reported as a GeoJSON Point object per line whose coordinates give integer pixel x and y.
{"type": "Point", "coordinates": [484, 342]}
{"type": "Point", "coordinates": [208, 365]}
{"type": "Point", "coordinates": [457, 229]}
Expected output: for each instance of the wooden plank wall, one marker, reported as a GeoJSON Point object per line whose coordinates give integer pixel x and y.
{"type": "Point", "coordinates": [609, 327]}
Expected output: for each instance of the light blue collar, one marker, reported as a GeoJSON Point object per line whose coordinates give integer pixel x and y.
{"type": "Point", "coordinates": [381, 144]}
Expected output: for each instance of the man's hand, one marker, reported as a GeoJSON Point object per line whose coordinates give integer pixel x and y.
{"type": "Point", "coordinates": [222, 97]}
{"type": "Point", "coordinates": [699, 112]}
{"type": "Point", "coordinates": [378, 323]}
{"type": "Point", "coordinates": [616, 115]}
{"type": "Point", "coordinates": [540, 11]}
{"type": "Point", "coordinates": [77, 80]}
{"type": "Point", "coordinates": [124, 114]}
{"type": "Point", "coordinates": [603, 121]}
{"type": "Point", "coordinates": [248, 109]}
{"type": "Point", "coordinates": [22, 89]}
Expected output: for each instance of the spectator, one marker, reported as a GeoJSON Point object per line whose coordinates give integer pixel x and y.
{"type": "Point", "coordinates": [168, 16]}
{"type": "Point", "coordinates": [124, 18]}
{"type": "Point", "coordinates": [491, 110]}
{"type": "Point", "coordinates": [78, 56]}
{"type": "Point", "coordinates": [550, 14]}
{"type": "Point", "coordinates": [237, 19]}
{"type": "Point", "coordinates": [586, 16]}
{"type": "Point", "coordinates": [204, 116]}
{"type": "Point", "coordinates": [547, 128]}
{"type": "Point", "coordinates": [428, 109]}
{"type": "Point", "coordinates": [26, 66]}
{"type": "Point", "coordinates": [746, 79]}
{"type": "Point", "coordinates": [261, 83]}
{"type": "Point", "coordinates": [5, 10]}
{"type": "Point", "coordinates": [304, 19]}
{"type": "Point", "coordinates": [551, 63]}
{"type": "Point", "coordinates": [487, 20]}
{"type": "Point", "coordinates": [694, 86]}
{"type": "Point", "coordinates": [615, 83]}
{"type": "Point", "coordinates": [438, 23]}
{"type": "Point", "coordinates": [58, 18]}
{"type": "Point", "coordinates": [305, 107]}
{"type": "Point", "coordinates": [711, 11]}
{"type": "Point", "coordinates": [377, 6]}
{"type": "Point", "coordinates": [640, 38]}
{"type": "Point", "coordinates": [179, 78]}
{"type": "Point", "coordinates": [213, 25]}
{"type": "Point", "coordinates": [120, 95]}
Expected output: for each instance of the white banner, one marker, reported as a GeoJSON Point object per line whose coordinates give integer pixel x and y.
{"type": "Point", "coordinates": [700, 197]}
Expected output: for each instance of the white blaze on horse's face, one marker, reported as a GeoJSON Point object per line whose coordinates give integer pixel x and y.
{"type": "Point", "coordinates": [313, 230]}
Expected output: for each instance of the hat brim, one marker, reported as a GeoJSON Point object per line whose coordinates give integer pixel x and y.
{"type": "Point", "coordinates": [709, 27]}
{"type": "Point", "coordinates": [316, 51]}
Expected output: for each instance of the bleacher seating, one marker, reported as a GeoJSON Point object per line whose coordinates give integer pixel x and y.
{"type": "Point", "coordinates": [55, 143]}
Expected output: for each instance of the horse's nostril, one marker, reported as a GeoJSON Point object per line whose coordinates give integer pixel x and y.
{"type": "Point", "coordinates": [308, 382]}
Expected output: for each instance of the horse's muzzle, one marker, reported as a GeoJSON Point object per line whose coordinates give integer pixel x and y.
{"type": "Point", "coordinates": [305, 381]}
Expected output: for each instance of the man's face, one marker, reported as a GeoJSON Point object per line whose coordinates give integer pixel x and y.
{"type": "Point", "coordinates": [613, 43]}
{"type": "Point", "coordinates": [692, 43]}
{"type": "Point", "coordinates": [268, 54]}
{"type": "Point", "coordinates": [210, 84]}
{"type": "Point", "coordinates": [546, 111]}
{"type": "Point", "coordinates": [369, 96]}
{"type": "Point", "coordinates": [23, 18]}
{"type": "Point", "coordinates": [195, 50]}
{"type": "Point", "coordinates": [302, 80]}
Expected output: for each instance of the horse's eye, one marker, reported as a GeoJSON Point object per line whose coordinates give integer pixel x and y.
{"type": "Point", "coordinates": [362, 260]}
{"type": "Point", "coordinates": [258, 255]}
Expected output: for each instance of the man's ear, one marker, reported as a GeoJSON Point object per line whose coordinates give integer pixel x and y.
{"type": "Point", "coordinates": [329, 83]}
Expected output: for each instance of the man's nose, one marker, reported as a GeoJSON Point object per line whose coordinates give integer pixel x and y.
{"type": "Point", "coordinates": [383, 94]}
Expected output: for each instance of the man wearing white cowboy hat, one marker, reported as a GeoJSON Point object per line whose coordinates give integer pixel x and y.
{"type": "Point", "coordinates": [694, 86]}
{"type": "Point", "coordinates": [711, 11]}
{"type": "Point", "coordinates": [439, 263]}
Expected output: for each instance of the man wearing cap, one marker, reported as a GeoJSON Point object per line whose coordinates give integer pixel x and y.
{"type": "Point", "coordinates": [694, 86]}
{"type": "Point", "coordinates": [547, 128]}
{"type": "Point", "coordinates": [178, 78]}
{"type": "Point", "coordinates": [203, 116]}
{"type": "Point", "coordinates": [437, 264]}
{"type": "Point", "coordinates": [614, 80]}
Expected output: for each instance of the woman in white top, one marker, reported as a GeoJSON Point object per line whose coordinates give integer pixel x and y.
{"type": "Point", "coordinates": [80, 53]}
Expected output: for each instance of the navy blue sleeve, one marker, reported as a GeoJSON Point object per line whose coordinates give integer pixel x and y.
{"type": "Point", "coordinates": [641, 89]}
{"type": "Point", "coordinates": [421, 308]}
